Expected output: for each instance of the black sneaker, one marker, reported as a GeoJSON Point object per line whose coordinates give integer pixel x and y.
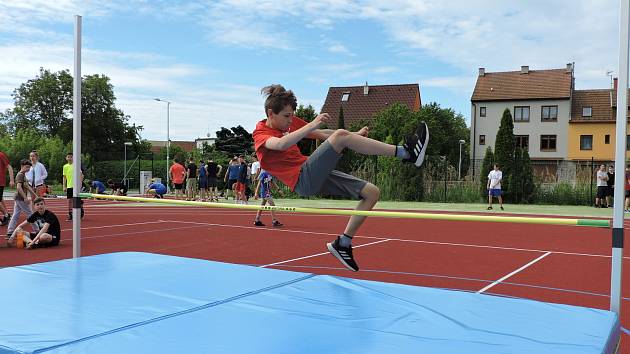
{"type": "Point", "coordinates": [416, 145]}
{"type": "Point", "coordinates": [258, 223]}
{"type": "Point", "coordinates": [502, 208]}
{"type": "Point", "coordinates": [489, 208]}
{"type": "Point", "coordinates": [277, 223]}
{"type": "Point", "coordinates": [343, 254]}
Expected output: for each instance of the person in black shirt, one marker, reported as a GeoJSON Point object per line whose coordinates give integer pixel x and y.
{"type": "Point", "coordinates": [45, 221]}
{"type": "Point", "coordinates": [118, 188]}
{"type": "Point", "coordinates": [191, 179]}
{"type": "Point", "coordinates": [214, 170]}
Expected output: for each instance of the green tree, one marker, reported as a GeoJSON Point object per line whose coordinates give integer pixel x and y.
{"type": "Point", "coordinates": [42, 103]}
{"type": "Point", "coordinates": [45, 103]}
{"type": "Point", "coordinates": [528, 185]}
{"type": "Point", "coordinates": [307, 146]}
{"type": "Point", "coordinates": [234, 141]}
{"type": "Point", "coordinates": [446, 129]}
{"type": "Point", "coordinates": [486, 167]}
{"type": "Point", "coordinates": [504, 151]}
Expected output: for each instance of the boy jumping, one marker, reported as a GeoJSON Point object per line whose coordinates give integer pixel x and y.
{"type": "Point", "coordinates": [275, 141]}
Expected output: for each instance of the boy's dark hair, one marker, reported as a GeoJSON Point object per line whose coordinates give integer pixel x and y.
{"type": "Point", "coordinates": [38, 200]}
{"type": "Point", "coordinates": [69, 153]}
{"type": "Point", "coordinates": [277, 98]}
{"type": "Point", "coordinates": [110, 182]}
{"type": "Point", "coordinates": [25, 162]}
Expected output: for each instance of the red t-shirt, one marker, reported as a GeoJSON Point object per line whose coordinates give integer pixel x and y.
{"type": "Point", "coordinates": [284, 165]}
{"type": "Point", "coordinates": [4, 162]}
{"type": "Point", "coordinates": [177, 173]}
{"type": "Point", "coordinates": [627, 184]}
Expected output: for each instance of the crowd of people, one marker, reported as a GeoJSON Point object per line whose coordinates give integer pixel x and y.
{"type": "Point", "coordinates": [28, 200]}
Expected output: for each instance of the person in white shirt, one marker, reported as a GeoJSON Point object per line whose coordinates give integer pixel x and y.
{"type": "Point", "coordinates": [255, 168]}
{"type": "Point", "coordinates": [494, 186]}
{"type": "Point", "coordinates": [36, 177]}
{"type": "Point", "coordinates": [602, 186]}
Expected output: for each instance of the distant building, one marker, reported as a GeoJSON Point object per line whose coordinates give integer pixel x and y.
{"type": "Point", "coordinates": [200, 142]}
{"type": "Point", "coordinates": [157, 145]}
{"type": "Point", "coordinates": [592, 125]}
{"type": "Point", "coordinates": [540, 104]}
{"type": "Point", "coordinates": [362, 102]}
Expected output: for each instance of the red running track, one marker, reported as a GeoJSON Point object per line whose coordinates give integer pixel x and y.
{"type": "Point", "coordinates": [560, 264]}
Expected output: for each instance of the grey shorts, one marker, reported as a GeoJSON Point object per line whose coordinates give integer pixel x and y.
{"type": "Point", "coordinates": [318, 176]}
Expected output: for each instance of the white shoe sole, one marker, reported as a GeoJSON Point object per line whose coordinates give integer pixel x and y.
{"type": "Point", "coordinates": [420, 158]}
{"type": "Point", "coordinates": [334, 252]}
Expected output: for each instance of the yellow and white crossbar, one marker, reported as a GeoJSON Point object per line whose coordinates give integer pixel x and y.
{"type": "Point", "coordinates": [373, 213]}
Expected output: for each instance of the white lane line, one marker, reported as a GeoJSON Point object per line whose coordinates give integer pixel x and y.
{"type": "Point", "coordinates": [318, 254]}
{"type": "Point", "coordinates": [401, 240]}
{"type": "Point", "coordinates": [118, 225]}
{"type": "Point", "coordinates": [513, 273]}
{"type": "Point", "coordinates": [141, 232]}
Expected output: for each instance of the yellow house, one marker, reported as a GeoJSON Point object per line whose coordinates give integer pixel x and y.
{"type": "Point", "coordinates": [592, 125]}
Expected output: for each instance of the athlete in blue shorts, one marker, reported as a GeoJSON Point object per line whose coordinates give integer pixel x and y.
{"type": "Point", "coordinates": [157, 190]}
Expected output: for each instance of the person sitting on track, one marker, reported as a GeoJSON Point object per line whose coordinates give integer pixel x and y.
{"type": "Point", "coordinates": [118, 188]}
{"type": "Point", "coordinates": [275, 141]}
{"type": "Point", "coordinates": [97, 187]}
{"type": "Point", "coordinates": [45, 221]}
{"type": "Point", "coordinates": [265, 183]}
{"type": "Point", "coordinates": [156, 189]}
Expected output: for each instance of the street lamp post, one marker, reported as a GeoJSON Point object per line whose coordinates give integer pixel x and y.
{"type": "Point", "coordinates": [168, 138]}
{"type": "Point", "coordinates": [127, 143]}
{"type": "Point", "coordinates": [459, 168]}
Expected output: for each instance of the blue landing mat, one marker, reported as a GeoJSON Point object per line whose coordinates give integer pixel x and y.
{"type": "Point", "coordinates": [147, 303]}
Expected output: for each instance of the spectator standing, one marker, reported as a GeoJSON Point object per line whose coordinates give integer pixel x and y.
{"type": "Point", "coordinates": [602, 186]}
{"type": "Point", "coordinates": [5, 166]}
{"type": "Point", "coordinates": [191, 179]}
{"type": "Point", "coordinates": [178, 172]}
{"type": "Point", "coordinates": [494, 186]}
{"type": "Point", "coordinates": [610, 183]}
{"type": "Point", "coordinates": [37, 175]}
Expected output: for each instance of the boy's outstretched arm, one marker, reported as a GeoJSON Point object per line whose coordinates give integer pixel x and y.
{"type": "Point", "coordinates": [292, 138]}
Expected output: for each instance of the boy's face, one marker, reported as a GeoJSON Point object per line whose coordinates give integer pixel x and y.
{"type": "Point", "coordinates": [40, 207]}
{"type": "Point", "coordinates": [282, 120]}
{"type": "Point", "coordinates": [69, 158]}
{"type": "Point", "coordinates": [25, 168]}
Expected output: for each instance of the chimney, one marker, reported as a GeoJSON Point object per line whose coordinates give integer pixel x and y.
{"type": "Point", "coordinates": [615, 84]}
{"type": "Point", "coordinates": [366, 89]}
{"type": "Point", "coordinates": [569, 67]}
{"type": "Point", "coordinates": [524, 69]}
{"type": "Point", "coordinates": [482, 71]}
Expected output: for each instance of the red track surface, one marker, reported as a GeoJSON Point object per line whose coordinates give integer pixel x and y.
{"type": "Point", "coordinates": [573, 265]}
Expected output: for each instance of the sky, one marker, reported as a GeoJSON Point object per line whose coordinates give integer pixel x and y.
{"type": "Point", "coordinates": [211, 58]}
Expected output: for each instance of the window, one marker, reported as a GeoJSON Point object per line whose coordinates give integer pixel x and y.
{"type": "Point", "coordinates": [522, 141]}
{"type": "Point", "coordinates": [345, 96]}
{"type": "Point", "coordinates": [521, 114]}
{"type": "Point", "coordinates": [549, 113]}
{"type": "Point", "coordinates": [482, 140]}
{"type": "Point", "coordinates": [586, 142]}
{"type": "Point", "coordinates": [606, 139]}
{"type": "Point", "coordinates": [587, 111]}
{"type": "Point", "coordinates": [482, 111]}
{"type": "Point", "coordinates": [547, 143]}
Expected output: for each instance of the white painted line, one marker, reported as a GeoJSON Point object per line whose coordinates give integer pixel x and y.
{"type": "Point", "coordinates": [513, 273]}
{"type": "Point", "coordinates": [318, 254]}
{"type": "Point", "coordinates": [400, 239]}
{"type": "Point", "coordinates": [118, 225]}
